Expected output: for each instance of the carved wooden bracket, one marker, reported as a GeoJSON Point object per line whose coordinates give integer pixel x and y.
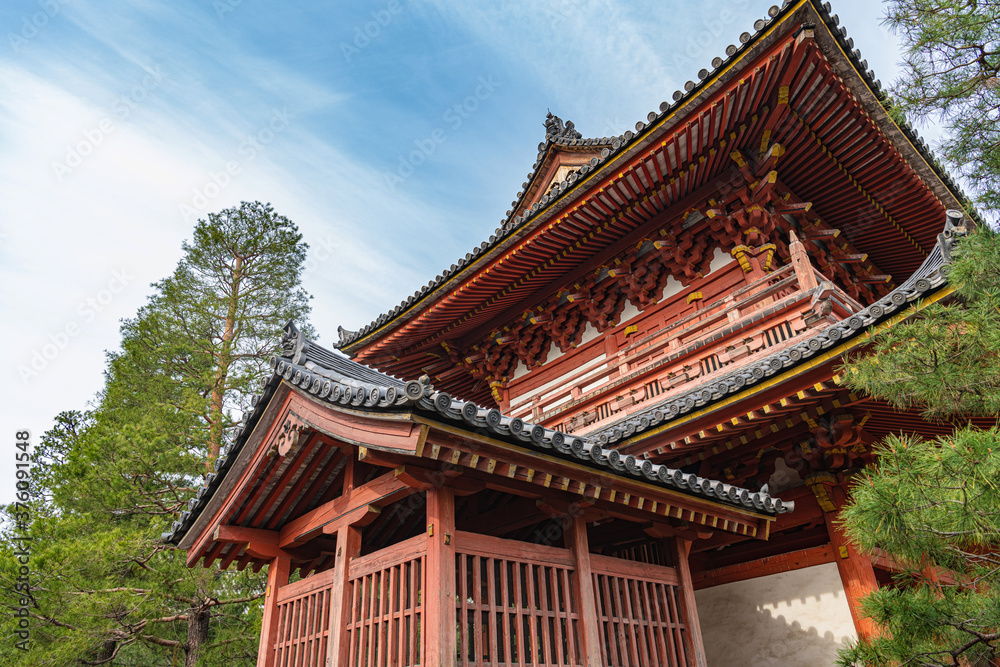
{"type": "Point", "coordinates": [289, 435]}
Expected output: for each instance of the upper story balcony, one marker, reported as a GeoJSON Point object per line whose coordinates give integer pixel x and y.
{"type": "Point", "coordinates": [619, 374]}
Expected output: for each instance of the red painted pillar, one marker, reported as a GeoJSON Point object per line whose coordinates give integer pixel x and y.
{"type": "Point", "coordinates": [348, 546]}
{"type": "Point", "coordinates": [277, 576]}
{"type": "Point", "coordinates": [696, 646]}
{"type": "Point", "coordinates": [586, 603]}
{"type": "Point", "coordinates": [439, 627]}
{"type": "Point", "coordinates": [856, 571]}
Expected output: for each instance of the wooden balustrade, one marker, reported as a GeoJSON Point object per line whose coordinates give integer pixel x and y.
{"type": "Point", "coordinates": [303, 618]}
{"type": "Point", "coordinates": [640, 614]}
{"type": "Point", "coordinates": [698, 345]}
{"type": "Point", "coordinates": [387, 596]}
{"type": "Point", "coordinates": [516, 604]}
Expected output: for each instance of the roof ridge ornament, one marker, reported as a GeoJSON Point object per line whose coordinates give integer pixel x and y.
{"type": "Point", "coordinates": [344, 336]}
{"type": "Point", "coordinates": [289, 338]}
{"type": "Point", "coordinates": [556, 129]}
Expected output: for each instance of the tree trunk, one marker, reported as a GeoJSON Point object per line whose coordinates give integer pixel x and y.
{"type": "Point", "coordinates": [222, 372]}
{"type": "Point", "coordinates": [197, 635]}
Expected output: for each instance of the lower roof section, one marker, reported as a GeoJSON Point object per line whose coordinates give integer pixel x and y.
{"type": "Point", "coordinates": [282, 488]}
{"type": "Point", "coordinates": [314, 392]}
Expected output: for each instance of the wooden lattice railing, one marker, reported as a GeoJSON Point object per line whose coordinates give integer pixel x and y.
{"type": "Point", "coordinates": [639, 613]}
{"type": "Point", "coordinates": [386, 593]}
{"type": "Point", "coordinates": [303, 621]}
{"type": "Point", "coordinates": [515, 604]}
{"type": "Point", "coordinates": [697, 346]}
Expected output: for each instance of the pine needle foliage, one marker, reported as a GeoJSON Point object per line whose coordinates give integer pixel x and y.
{"type": "Point", "coordinates": [107, 483]}
{"type": "Point", "coordinates": [951, 72]}
{"type": "Point", "coordinates": [944, 360]}
{"type": "Point", "coordinates": [933, 505]}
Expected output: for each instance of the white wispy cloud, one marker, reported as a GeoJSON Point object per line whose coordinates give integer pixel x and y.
{"type": "Point", "coordinates": [90, 201]}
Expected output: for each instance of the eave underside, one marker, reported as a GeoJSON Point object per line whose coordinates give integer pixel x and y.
{"type": "Point", "coordinates": [834, 157]}
{"type": "Point", "coordinates": [286, 498]}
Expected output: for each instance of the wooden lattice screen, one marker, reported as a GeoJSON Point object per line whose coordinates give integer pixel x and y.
{"type": "Point", "coordinates": [303, 621]}
{"type": "Point", "coordinates": [639, 614]}
{"type": "Point", "coordinates": [515, 604]}
{"type": "Point", "coordinates": [386, 593]}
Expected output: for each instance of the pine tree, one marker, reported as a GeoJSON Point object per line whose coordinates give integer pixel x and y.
{"type": "Point", "coordinates": [108, 482]}
{"type": "Point", "coordinates": [951, 73]}
{"type": "Point", "coordinates": [237, 284]}
{"type": "Point", "coordinates": [934, 505]}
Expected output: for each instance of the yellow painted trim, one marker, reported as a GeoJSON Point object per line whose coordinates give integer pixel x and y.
{"type": "Point", "coordinates": [838, 351]}
{"type": "Point", "coordinates": [649, 489]}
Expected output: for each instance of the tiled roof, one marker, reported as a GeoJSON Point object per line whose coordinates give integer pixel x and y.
{"type": "Point", "coordinates": [614, 146]}
{"type": "Point", "coordinates": [927, 279]}
{"type": "Point", "coordinates": [335, 380]}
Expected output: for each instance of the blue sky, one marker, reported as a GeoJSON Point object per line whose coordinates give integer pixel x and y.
{"type": "Point", "coordinates": [121, 123]}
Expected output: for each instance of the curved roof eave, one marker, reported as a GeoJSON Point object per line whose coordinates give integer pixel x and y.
{"type": "Point", "coordinates": [834, 41]}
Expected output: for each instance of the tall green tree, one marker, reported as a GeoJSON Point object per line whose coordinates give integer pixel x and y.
{"type": "Point", "coordinates": [951, 73]}
{"type": "Point", "coordinates": [108, 482]}
{"type": "Point", "coordinates": [934, 504]}
{"type": "Point", "coordinates": [237, 283]}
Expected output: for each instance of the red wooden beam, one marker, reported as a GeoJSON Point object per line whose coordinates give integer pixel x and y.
{"type": "Point", "coordinates": [348, 547]}
{"type": "Point", "coordinates": [348, 510]}
{"type": "Point", "coordinates": [259, 543]}
{"type": "Point", "coordinates": [438, 627]}
{"type": "Point", "coordinates": [855, 568]}
{"type": "Point", "coordinates": [583, 592]}
{"type": "Point", "coordinates": [245, 535]}
{"type": "Point", "coordinates": [786, 562]}
{"type": "Point", "coordinates": [681, 551]}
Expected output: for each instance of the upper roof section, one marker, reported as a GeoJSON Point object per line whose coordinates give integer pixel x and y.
{"type": "Point", "coordinates": [794, 104]}
{"type": "Point", "coordinates": [563, 153]}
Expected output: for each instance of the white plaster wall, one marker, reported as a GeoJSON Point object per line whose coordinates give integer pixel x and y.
{"type": "Point", "coordinates": [589, 334]}
{"type": "Point", "coordinates": [793, 619]}
{"type": "Point", "coordinates": [629, 312]}
{"type": "Point", "coordinates": [671, 288]}
{"type": "Point", "coordinates": [520, 370]}
{"type": "Point", "coordinates": [720, 259]}
{"type": "Point", "coordinates": [554, 353]}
